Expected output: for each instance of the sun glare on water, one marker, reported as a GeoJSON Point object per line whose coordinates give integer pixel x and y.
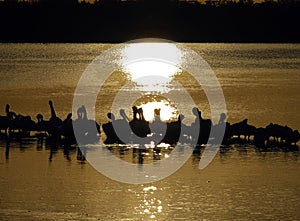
{"type": "Point", "coordinates": [150, 71]}
{"type": "Point", "coordinates": [151, 63]}
{"type": "Point", "coordinates": [166, 111]}
{"type": "Point", "coordinates": [152, 66]}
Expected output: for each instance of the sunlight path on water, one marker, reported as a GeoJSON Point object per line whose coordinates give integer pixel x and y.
{"type": "Point", "coordinates": [148, 64]}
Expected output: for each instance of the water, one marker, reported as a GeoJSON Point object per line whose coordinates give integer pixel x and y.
{"type": "Point", "coordinates": [260, 82]}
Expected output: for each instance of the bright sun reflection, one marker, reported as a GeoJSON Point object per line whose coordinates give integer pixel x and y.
{"type": "Point", "coordinates": [147, 72]}
{"type": "Point", "coordinates": [152, 66]}
{"type": "Point", "coordinates": [149, 205]}
{"type": "Point", "coordinates": [167, 112]}
{"type": "Point", "coordinates": [151, 63]}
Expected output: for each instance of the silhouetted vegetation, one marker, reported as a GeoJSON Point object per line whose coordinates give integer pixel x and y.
{"type": "Point", "coordinates": [117, 21]}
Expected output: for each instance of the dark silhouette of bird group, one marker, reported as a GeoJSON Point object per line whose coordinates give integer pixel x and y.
{"type": "Point", "coordinates": [123, 131]}
{"type": "Point", "coordinates": [138, 130]}
{"type": "Point", "coordinates": [15, 125]}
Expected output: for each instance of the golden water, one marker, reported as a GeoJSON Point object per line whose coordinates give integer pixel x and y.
{"type": "Point", "coordinates": [260, 82]}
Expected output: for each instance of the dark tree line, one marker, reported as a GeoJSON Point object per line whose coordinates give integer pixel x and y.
{"type": "Point", "coordinates": [117, 21]}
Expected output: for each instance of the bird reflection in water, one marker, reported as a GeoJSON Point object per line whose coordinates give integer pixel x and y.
{"type": "Point", "coordinates": [7, 150]}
